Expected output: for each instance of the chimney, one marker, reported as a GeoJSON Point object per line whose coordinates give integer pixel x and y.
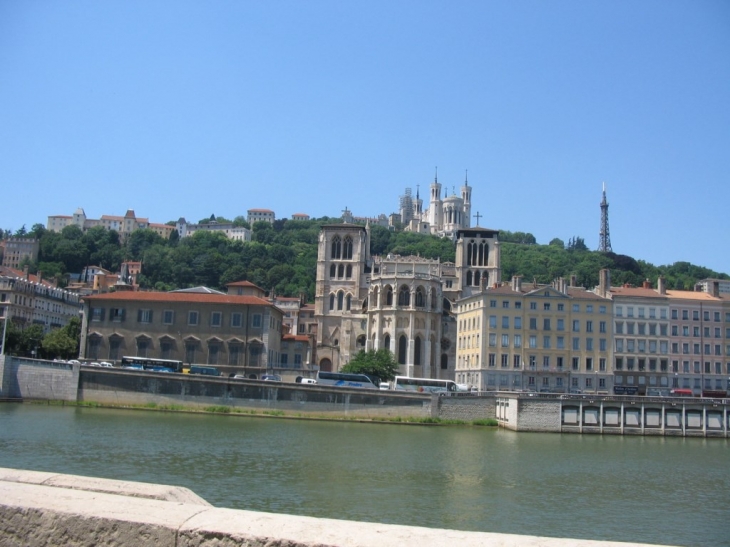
{"type": "Point", "coordinates": [40, 277]}
{"type": "Point", "coordinates": [716, 289]}
{"type": "Point", "coordinates": [573, 280]}
{"type": "Point", "coordinates": [604, 282]}
{"type": "Point", "coordinates": [662, 285]}
{"type": "Point", "coordinates": [646, 284]}
{"type": "Point", "coordinates": [517, 283]}
{"type": "Point", "coordinates": [26, 273]}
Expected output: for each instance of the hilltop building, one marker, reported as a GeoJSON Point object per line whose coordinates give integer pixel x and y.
{"type": "Point", "coordinates": [231, 231]}
{"type": "Point", "coordinates": [123, 225]}
{"type": "Point", "coordinates": [443, 217]}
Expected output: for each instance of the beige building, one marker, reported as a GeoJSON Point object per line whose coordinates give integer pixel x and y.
{"type": "Point", "coordinates": [30, 300]}
{"type": "Point", "coordinates": [521, 336]}
{"type": "Point", "coordinates": [259, 215]}
{"type": "Point", "coordinates": [124, 225]}
{"type": "Point", "coordinates": [17, 249]}
{"type": "Point", "coordinates": [195, 327]}
{"type": "Point", "coordinates": [231, 231]}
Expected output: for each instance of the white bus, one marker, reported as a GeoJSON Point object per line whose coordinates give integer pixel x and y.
{"type": "Point", "coordinates": [346, 379]}
{"type": "Point", "coordinates": [423, 385]}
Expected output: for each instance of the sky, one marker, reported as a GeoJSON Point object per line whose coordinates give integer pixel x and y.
{"type": "Point", "coordinates": [187, 108]}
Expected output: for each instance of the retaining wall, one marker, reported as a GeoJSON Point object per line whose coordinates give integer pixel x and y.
{"type": "Point", "coordinates": [38, 379]}
{"type": "Point", "coordinates": [466, 407]}
{"type": "Point", "coordinates": [47, 509]}
{"type": "Point", "coordinates": [125, 387]}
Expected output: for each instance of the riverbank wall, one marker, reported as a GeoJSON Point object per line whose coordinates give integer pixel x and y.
{"type": "Point", "coordinates": [38, 379]}
{"type": "Point", "coordinates": [49, 509]}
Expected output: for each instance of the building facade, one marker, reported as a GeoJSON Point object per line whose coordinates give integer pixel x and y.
{"type": "Point", "coordinates": [19, 249]}
{"type": "Point", "coordinates": [194, 327]}
{"type": "Point", "coordinates": [124, 225]}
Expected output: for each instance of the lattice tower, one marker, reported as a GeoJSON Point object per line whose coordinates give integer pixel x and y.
{"type": "Point", "coordinates": [604, 236]}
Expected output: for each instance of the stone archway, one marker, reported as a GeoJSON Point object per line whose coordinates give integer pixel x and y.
{"type": "Point", "coordinates": [325, 365]}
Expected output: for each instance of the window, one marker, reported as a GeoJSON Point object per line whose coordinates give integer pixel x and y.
{"type": "Point", "coordinates": [256, 321]}
{"type": "Point", "coordinates": [505, 322]}
{"type": "Point", "coordinates": [97, 314]}
{"type": "Point", "coordinates": [560, 362]}
{"type": "Point", "coordinates": [561, 307]}
{"type": "Point", "coordinates": [505, 303]}
{"type": "Point", "coordinates": [492, 359]}
{"type": "Point", "coordinates": [560, 342]}
{"type": "Point", "coordinates": [695, 315]}
{"type": "Point", "coordinates": [576, 325]}
{"type": "Point", "coordinates": [518, 322]}
{"type": "Point", "coordinates": [561, 324]}
{"type": "Point", "coordinates": [545, 361]}
{"type": "Point", "coordinates": [192, 319]}
{"type": "Point", "coordinates": [216, 319]}
{"type": "Point", "coordinates": [284, 359]}
{"type": "Point", "coordinates": [576, 307]}
{"type": "Point", "coordinates": [533, 341]}
{"type": "Point", "coordinates": [237, 321]}
{"type": "Point", "coordinates": [619, 363]}
{"type": "Point", "coordinates": [575, 363]}
{"type": "Point", "coordinates": [492, 339]}
{"type": "Point", "coordinates": [492, 303]}
{"type": "Point", "coordinates": [504, 360]}
{"type": "Point", "coordinates": [533, 323]}
{"type": "Point", "coordinates": [546, 306]}
{"type": "Point", "coordinates": [518, 340]}
{"type": "Point", "coordinates": [533, 305]}
{"type": "Point", "coordinates": [141, 347]}
{"type": "Point", "coordinates": [492, 321]}
{"type": "Point", "coordinates": [505, 340]}
{"type": "Point", "coordinates": [144, 316]}
{"type": "Point", "coordinates": [546, 342]}
{"type": "Point", "coordinates": [602, 326]}
{"type": "Point", "coordinates": [619, 311]}
{"type": "Point", "coordinates": [116, 314]}
{"type": "Point", "coordinates": [168, 317]}
{"type": "Point", "coordinates": [589, 326]}
{"type": "Point", "coordinates": [516, 362]}
{"type": "Point", "coordinates": [589, 344]}
{"type": "Point", "coordinates": [546, 324]}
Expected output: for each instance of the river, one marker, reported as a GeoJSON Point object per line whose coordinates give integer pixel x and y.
{"type": "Point", "coordinates": [648, 489]}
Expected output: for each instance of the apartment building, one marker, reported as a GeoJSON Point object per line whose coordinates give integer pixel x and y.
{"type": "Point", "coordinates": [520, 336]}
{"type": "Point", "coordinates": [197, 327]}
{"type": "Point", "coordinates": [28, 299]}
{"type": "Point", "coordinates": [18, 249]}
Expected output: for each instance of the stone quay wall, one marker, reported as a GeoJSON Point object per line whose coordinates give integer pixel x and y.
{"type": "Point", "coordinates": [38, 379]}
{"type": "Point", "coordinates": [128, 387]}
{"type": "Point", "coordinates": [466, 407]}
{"type": "Point", "coordinates": [49, 509]}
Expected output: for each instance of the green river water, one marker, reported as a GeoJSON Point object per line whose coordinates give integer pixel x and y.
{"type": "Point", "coordinates": [655, 490]}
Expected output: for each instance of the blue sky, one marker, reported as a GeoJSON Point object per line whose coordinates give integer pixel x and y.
{"type": "Point", "coordinates": [191, 108]}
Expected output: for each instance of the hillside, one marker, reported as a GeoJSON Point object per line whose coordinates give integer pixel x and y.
{"type": "Point", "coordinates": [283, 257]}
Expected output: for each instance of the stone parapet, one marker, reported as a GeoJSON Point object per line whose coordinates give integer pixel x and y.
{"type": "Point", "coordinates": [69, 514]}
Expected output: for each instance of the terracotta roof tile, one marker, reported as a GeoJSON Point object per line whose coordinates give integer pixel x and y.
{"type": "Point", "coordinates": [196, 298]}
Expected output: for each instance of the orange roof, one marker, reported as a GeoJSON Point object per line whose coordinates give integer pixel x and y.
{"type": "Point", "coordinates": [636, 291]}
{"type": "Point", "coordinates": [692, 295]}
{"type": "Point", "coordinates": [260, 211]}
{"type": "Point", "coordinates": [194, 298]}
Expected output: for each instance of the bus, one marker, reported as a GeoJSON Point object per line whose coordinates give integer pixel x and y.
{"type": "Point", "coordinates": [148, 363]}
{"type": "Point", "coordinates": [423, 385]}
{"type": "Point", "coordinates": [346, 379]}
{"type": "Point", "coordinates": [206, 371]}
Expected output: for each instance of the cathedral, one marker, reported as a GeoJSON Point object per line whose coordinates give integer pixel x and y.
{"type": "Point", "coordinates": [443, 217]}
{"type": "Point", "coordinates": [402, 303]}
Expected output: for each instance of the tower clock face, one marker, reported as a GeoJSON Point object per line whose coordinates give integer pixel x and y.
{"type": "Point", "coordinates": [445, 344]}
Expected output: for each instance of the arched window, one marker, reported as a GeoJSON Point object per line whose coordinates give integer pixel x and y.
{"type": "Point", "coordinates": [376, 297]}
{"type": "Point", "coordinates": [348, 301]}
{"type": "Point", "coordinates": [389, 296]}
{"type": "Point", "coordinates": [360, 342]}
{"type": "Point", "coordinates": [434, 301]}
{"type": "Point", "coordinates": [340, 271]}
{"type": "Point", "coordinates": [347, 249]}
{"type": "Point", "coordinates": [348, 271]}
{"type": "Point", "coordinates": [468, 254]}
{"type": "Point", "coordinates": [340, 298]}
{"type": "Point", "coordinates": [419, 297]}
{"type": "Point", "coordinates": [444, 361]}
{"type": "Point", "coordinates": [404, 296]}
{"type": "Point", "coordinates": [386, 342]}
{"type": "Point", "coordinates": [476, 278]}
{"type": "Point", "coordinates": [332, 302]}
{"type": "Point", "coordinates": [402, 349]}
{"type": "Point", "coordinates": [333, 271]}
{"type": "Point", "coordinates": [336, 247]}
{"type": "Point", "coordinates": [468, 278]}
{"type": "Point", "coordinates": [417, 351]}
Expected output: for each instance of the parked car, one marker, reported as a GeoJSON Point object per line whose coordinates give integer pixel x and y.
{"type": "Point", "coordinates": [74, 362]}
{"type": "Point", "coordinates": [106, 364]}
{"type": "Point", "coordinates": [271, 378]}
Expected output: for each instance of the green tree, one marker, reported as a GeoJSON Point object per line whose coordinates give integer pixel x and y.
{"type": "Point", "coordinates": [380, 363]}
{"type": "Point", "coordinates": [63, 342]}
{"type": "Point", "coordinates": [557, 242]}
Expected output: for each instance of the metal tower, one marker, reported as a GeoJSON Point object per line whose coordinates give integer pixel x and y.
{"type": "Point", "coordinates": [604, 237]}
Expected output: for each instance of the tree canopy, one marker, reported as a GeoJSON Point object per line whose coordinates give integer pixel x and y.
{"type": "Point", "coordinates": [380, 363]}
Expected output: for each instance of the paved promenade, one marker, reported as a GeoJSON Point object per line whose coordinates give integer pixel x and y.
{"type": "Point", "coordinates": [50, 509]}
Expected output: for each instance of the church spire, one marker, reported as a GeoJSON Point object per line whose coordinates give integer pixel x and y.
{"type": "Point", "coordinates": [436, 176]}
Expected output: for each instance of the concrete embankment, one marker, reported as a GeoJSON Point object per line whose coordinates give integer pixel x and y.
{"type": "Point", "coordinates": [48, 509]}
